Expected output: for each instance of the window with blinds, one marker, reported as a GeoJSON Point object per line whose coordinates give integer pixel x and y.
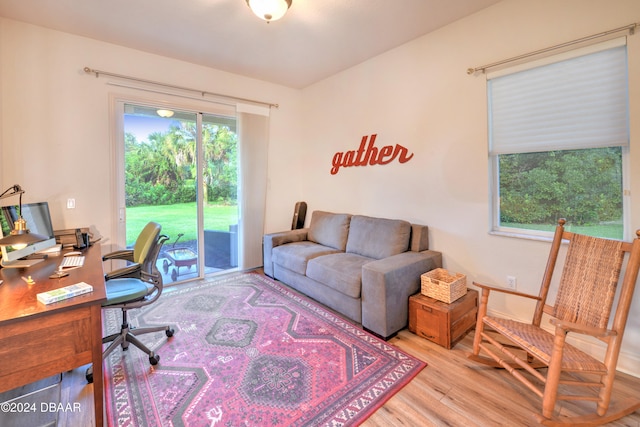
{"type": "Point", "coordinates": [558, 140]}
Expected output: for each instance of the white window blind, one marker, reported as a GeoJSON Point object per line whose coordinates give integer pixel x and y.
{"type": "Point", "coordinates": [565, 104]}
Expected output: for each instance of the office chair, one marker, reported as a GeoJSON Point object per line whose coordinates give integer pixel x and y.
{"type": "Point", "coordinates": [136, 256]}
{"type": "Point", "coordinates": [129, 293]}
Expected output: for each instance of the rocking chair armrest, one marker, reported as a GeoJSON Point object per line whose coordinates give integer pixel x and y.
{"type": "Point", "coordinates": [581, 329]}
{"type": "Point", "coordinates": [505, 291]}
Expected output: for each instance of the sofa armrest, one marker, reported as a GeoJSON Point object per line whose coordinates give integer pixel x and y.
{"type": "Point", "coordinates": [272, 240]}
{"type": "Point", "coordinates": [387, 285]}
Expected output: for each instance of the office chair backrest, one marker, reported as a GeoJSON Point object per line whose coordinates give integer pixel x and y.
{"type": "Point", "coordinates": [149, 268]}
{"type": "Point", "coordinates": [145, 241]}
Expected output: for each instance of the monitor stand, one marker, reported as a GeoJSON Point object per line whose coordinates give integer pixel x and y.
{"type": "Point", "coordinates": [22, 262]}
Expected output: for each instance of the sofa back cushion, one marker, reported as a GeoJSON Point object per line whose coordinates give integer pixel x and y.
{"type": "Point", "coordinates": [419, 238]}
{"type": "Point", "coordinates": [329, 229]}
{"type": "Point", "coordinates": [378, 237]}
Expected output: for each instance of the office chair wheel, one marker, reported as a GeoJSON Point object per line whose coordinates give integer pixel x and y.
{"type": "Point", "coordinates": [169, 332]}
{"type": "Point", "coordinates": [154, 359]}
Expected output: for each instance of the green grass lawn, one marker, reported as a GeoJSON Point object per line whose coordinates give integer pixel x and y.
{"type": "Point", "coordinates": [179, 218]}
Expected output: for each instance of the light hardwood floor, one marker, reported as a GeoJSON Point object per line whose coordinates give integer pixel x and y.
{"type": "Point", "coordinates": [455, 391]}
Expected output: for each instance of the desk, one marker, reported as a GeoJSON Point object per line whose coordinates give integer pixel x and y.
{"type": "Point", "coordinates": [38, 340]}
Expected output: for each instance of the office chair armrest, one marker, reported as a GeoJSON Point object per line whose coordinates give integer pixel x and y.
{"type": "Point", "coordinates": [154, 278]}
{"type": "Point", "coordinates": [132, 270]}
{"type": "Point", "coordinates": [125, 254]}
{"type": "Point", "coordinates": [581, 329]}
{"type": "Point", "coordinates": [505, 291]}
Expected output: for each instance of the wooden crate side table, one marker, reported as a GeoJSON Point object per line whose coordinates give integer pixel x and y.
{"type": "Point", "coordinates": [445, 324]}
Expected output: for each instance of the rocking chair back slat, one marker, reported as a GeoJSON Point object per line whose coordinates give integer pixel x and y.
{"type": "Point", "coordinates": [589, 280]}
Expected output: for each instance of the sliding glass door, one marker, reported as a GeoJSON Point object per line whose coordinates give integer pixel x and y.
{"type": "Point", "coordinates": [220, 192]}
{"type": "Point", "coordinates": [180, 169]}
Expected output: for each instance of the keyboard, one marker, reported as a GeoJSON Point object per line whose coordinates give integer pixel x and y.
{"type": "Point", "coordinates": [71, 261]}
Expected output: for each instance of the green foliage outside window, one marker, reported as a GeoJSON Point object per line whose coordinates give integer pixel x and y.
{"type": "Point", "coordinates": [162, 170]}
{"type": "Point", "coordinates": [583, 186]}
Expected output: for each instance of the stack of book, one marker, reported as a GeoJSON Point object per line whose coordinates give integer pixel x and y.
{"type": "Point", "coordinates": [60, 294]}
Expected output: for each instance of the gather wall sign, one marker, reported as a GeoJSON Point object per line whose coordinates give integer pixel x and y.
{"type": "Point", "coordinates": [369, 155]}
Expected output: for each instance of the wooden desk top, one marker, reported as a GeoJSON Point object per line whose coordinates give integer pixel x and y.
{"type": "Point", "coordinates": [18, 299]}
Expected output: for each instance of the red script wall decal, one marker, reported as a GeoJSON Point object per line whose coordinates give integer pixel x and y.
{"type": "Point", "coordinates": [369, 156]}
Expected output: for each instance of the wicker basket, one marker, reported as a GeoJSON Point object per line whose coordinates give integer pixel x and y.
{"type": "Point", "coordinates": [444, 286]}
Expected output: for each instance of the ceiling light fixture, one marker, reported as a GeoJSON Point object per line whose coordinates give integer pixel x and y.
{"type": "Point", "coordinates": [269, 10]}
{"type": "Point", "coordinates": [164, 113]}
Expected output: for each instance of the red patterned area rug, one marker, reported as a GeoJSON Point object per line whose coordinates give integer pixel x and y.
{"type": "Point", "coordinates": [249, 351]}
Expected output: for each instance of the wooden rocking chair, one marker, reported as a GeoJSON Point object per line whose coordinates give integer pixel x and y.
{"type": "Point", "coordinates": [584, 301]}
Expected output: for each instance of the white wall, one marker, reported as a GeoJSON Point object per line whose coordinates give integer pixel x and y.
{"type": "Point", "coordinates": [417, 95]}
{"type": "Point", "coordinates": [55, 129]}
{"type": "Point", "coordinates": [420, 96]}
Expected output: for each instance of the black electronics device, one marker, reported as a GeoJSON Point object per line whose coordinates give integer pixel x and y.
{"type": "Point", "coordinates": [82, 239]}
{"type": "Point", "coordinates": [299, 215]}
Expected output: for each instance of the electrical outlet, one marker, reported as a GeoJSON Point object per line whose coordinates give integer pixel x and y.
{"type": "Point", "coordinates": [71, 203]}
{"type": "Point", "coordinates": [511, 282]}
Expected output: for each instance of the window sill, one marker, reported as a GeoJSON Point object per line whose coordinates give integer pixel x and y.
{"type": "Point", "coordinates": [543, 236]}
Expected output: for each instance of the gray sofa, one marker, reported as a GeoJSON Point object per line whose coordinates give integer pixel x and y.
{"type": "Point", "coordinates": [363, 267]}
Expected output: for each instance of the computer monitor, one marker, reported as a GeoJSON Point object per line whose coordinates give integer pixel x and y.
{"type": "Point", "coordinates": [38, 221]}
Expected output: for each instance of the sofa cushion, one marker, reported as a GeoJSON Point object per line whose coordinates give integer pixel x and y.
{"type": "Point", "coordinates": [339, 271]}
{"type": "Point", "coordinates": [294, 256]}
{"type": "Point", "coordinates": [419, 238]}
{"type": "Point", "coordinates": [329, 229]}
{"type": "Point", "coordinates": [378, 237]}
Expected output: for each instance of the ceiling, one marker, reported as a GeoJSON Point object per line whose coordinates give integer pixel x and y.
{"type": "Point", "coordinates": [315, 39]}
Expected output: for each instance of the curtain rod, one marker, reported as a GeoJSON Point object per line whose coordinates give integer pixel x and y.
{"type": "Point", "coordinates": [631, 28]}
{"type": "Point", "coordinates": [170, 86]}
